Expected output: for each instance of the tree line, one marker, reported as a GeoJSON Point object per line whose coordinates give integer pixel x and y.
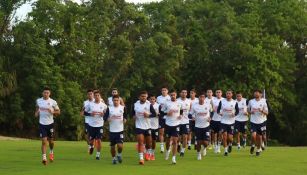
{"type": "Point", "coordinates": [228, 44]}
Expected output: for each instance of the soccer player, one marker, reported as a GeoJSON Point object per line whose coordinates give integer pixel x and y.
{"type": "Point", "coordinates": [46, 109]}
{"type": "Point", "coordinates": [201, 113]}
{"type": "Point", "coordinates": [193, 100]}
{"type": "Point", "coordinates": [110, 99]}
{"type": "Point", "coordinates": [241, 120]}
{"type": "Point", "coordinates": [173, 113]}
{"type": "Point", "coordinates": [184, 122]}
{"type": "Point", "coordinates": [116, 115]}
{"type": "Point", "coordinates": [209, 99]}
{"type": "Point", "coordinates": [228, 109]}
{"type": "Point", "coordinates": [258, 109]}
{"type": "Point", "coordinates": [90, 98]}
{"type": "Point", "coordinates": [96, 109]}
{"type": "Point", "coordinates": [215, 123]}
{"type": "Point", "coordinates": [154, 124]}
{"type": "Point", "coordinates": [162, 99]}
{"type": "Point", "coordinates": [142, 112]}
{"type": "Point", "coordinates": [264, 137]}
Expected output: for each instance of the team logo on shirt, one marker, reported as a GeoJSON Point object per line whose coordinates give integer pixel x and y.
{"type": "Point", "coordinates": [205, 108]}
{"type": "Point", "coordinates": [100, 107]}
{"type": "Point", "coordinates": [120, 111]}
{"type": "Point", "coordinates": [231, 105]}
{"type": "Point", "coordinates": [48, 103]}
{"type": "Point", "coordinates": [260, 105]}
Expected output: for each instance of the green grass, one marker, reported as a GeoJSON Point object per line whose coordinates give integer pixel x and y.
{"type": "Point", "coordinates": [24, 157]}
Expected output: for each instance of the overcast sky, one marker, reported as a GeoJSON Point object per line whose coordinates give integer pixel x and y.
{"type": "Point", "coordinates": [26, 8]}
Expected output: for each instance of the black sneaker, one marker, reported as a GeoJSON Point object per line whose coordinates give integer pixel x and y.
{"type": "Point", "coordinates": [119, 158]}
{"type": "Point", "coordinates": [178, 148]}
{"type": "Point", "coordinates": [91, 151]}
{"type": "Point", "coordinates": [189, 147]}
{"type": "Point", "coordinates": [257, 153]}
{"type": "Point", "coordinates": [114, 161]}
{"type": "Point", "coordinates": [97, 158]}
{"type": "Point", "coordinates": [226, 154]}
{"type": "Point", "coordinates": [252, 150]}
{"type": "Point", "coordinates": [263, 148]}
{"type": "Point", "coordinates": [229, 149]}
{"type": "Point", "coordinates": [181, 154]}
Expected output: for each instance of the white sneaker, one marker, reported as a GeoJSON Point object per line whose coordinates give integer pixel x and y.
{"type": "Point", "coordinates": [215, 148]}
{"type": "Point", "coordinates": [198, 156]}
{"type": "Point", "coordinates": [205, 152]}
{"type": "Point", "coordinates": [162, 148]}
{"type": "Point", "coordinates": [167, 155]}
{"type": "Point", "coordinates": [173, 160]}
{"type": "Point", "coordinates": [218, 149]}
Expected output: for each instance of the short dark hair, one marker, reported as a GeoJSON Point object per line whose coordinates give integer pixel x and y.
{"type": "Point", "coordinates": [96, 92]}
{"type": "Point", "coordinates": [115, 96]}
{"type": "Point", "coordinates": [229, 90]}
{"type": "Point", "coordinates": [218, 89]}
{"type": "Point", "coordinates": [46, 88]}
{"type": "Point", "coordinates": [239, 92]}
{"type": "Point", "coordinates": [114, 89]}
{"type": "Point", "coordinates": [193, 90]}
{"type": "Point", "coordinates": [143, 92]}
{"type": "Point", "coordinates": [173, 91]}
{"type": "Point", "coordinates": [201, 93]}
{"type": "Point", "coordinates": [209, 90]}
{"type": "Point", "coordinates": [152, 95]}
{"type": "Point", "coordinates": [89, 90]}
{"type": "Point", "coordinates": [257, 90]}
{"type": "Point", "coordinates": [164, 87]}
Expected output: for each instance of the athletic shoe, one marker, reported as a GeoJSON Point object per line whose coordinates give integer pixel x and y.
{"type": "Point", "coordinates": [204, 152]}
{"type": "Point", "coordinates": [244, 144]}
{"type": "Point", "coordinates": [119, 158]}
{"type": "Point", "coordinates": [181, 154]}
{"type": "Point", "coordinates": [262, 147]}
{"type": "Point", "coordinates": [167, 155]}
{"type": "Point", "coordinates": [189, 147]}
{"type": "Point", "coordinates": [141, 162]}
{"type": "Point", "coordinates": [229, 148]}
{"type": "Point", "coordinates": [97, 158]}
{"type": "Point", "coordinates": [257, 153]}
{"type": "Point", "coordinates": [114, 161]}
{"type": "Point", "coordinates": [51, 157]}
{"type": "Point", "coordinates": [215, 148]}
{"type": "Point", "coordinates": [91, 151]}
{"type": "Point", "coordinates": [147, 157]}
{"type": "Point", "coordinates": [152, 157]}
{"type": "Point", "coordinates": [226, 154]}
{"type": "Point", "coordinates": [161, 148]}
{"type": "Point", "coordinates": [178, 148]}
{"type": "Point", "coordinates": [44, 161]}
{"type": "Point", "coordinates": [239, 147]}
{"type": "Point", "coordinates": [210, 146]}
{"type": "Point", "coordinates": [252, 150]}
{"type": "Point", "coordinates": [218, 149]}
{"type": "Point", "coordinates": [198, 156]}
{"type": "Point", "coordinates": [173, 161]}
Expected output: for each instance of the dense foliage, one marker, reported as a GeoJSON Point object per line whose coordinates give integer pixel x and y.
{"type": "Point", "coordinates": [229, 44]}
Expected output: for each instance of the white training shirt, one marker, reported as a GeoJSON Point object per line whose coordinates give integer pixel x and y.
{"type": "Point", "coordinates": [154, 121]}
{"type": "Point", "coordinates": [216, 102]}
{"type": "Point", "coordinates": [185, 106]}
{"type": "Point", "coordinates": [256, 106]}
{"type": "Point", "coordinates": [115, 116]}
{"type": "Point", "coordinates": [162, 100]}
{"type": "Point", "coordinates": [228, 110]}
{"type": "Point", "coordinates": [174, 119]}
{"type": "Point", "coordinates": [201, 114]}
{"type": "Point", "coordinates": [242, 109]}
{"type": "Point", "coordinates": [85, 103]}
{"type": "Point", "coordinates": [45, 117]}
{"type": "Point", "coordinates": [93, 107]}
{"type": "Point", "coordinates": [140, 121]}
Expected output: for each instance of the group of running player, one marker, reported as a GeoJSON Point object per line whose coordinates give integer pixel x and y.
{"type": "Point", "coordinates": [209, 121]}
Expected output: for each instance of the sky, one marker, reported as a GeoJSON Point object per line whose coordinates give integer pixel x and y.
{"type": "Point", "coordinates": [26, 8]}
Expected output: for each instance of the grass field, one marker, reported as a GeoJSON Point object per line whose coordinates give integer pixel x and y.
{"type": "Point", "coordinates": [24, 157]}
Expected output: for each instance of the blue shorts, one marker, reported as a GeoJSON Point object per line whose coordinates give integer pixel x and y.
{"type": "Point", "coordinates": [172, 131]}
{"type": "Point", "coordinates": [161, 123]}
{"type": "Point", "coordinates": [202, 133]}
{"type": "Point", "coordinates": [258, 128]}
{"type": "Point", "coordinates": [215, 126]}
{"type": "Point", "coordinates": [116, 138]}
{"type": "Point", "coordinates": [227, 128]}
{"type": "Point", "coordinates": [46, 131]}
{"type": "Point", "coordinates": [241, 126]}
{"type": "Point", "coordinates": [192, 125]}
{"type": "Point", "coordinates": [145, 132]}
{"type": "Point", "coordinates": [154, 134]}
{"type": "Point", "coordinates": [86, 128]}
{"type": "Point", "coordinates": [95, 132]}
{"type": "Point", "coordinates": [184, 129]}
